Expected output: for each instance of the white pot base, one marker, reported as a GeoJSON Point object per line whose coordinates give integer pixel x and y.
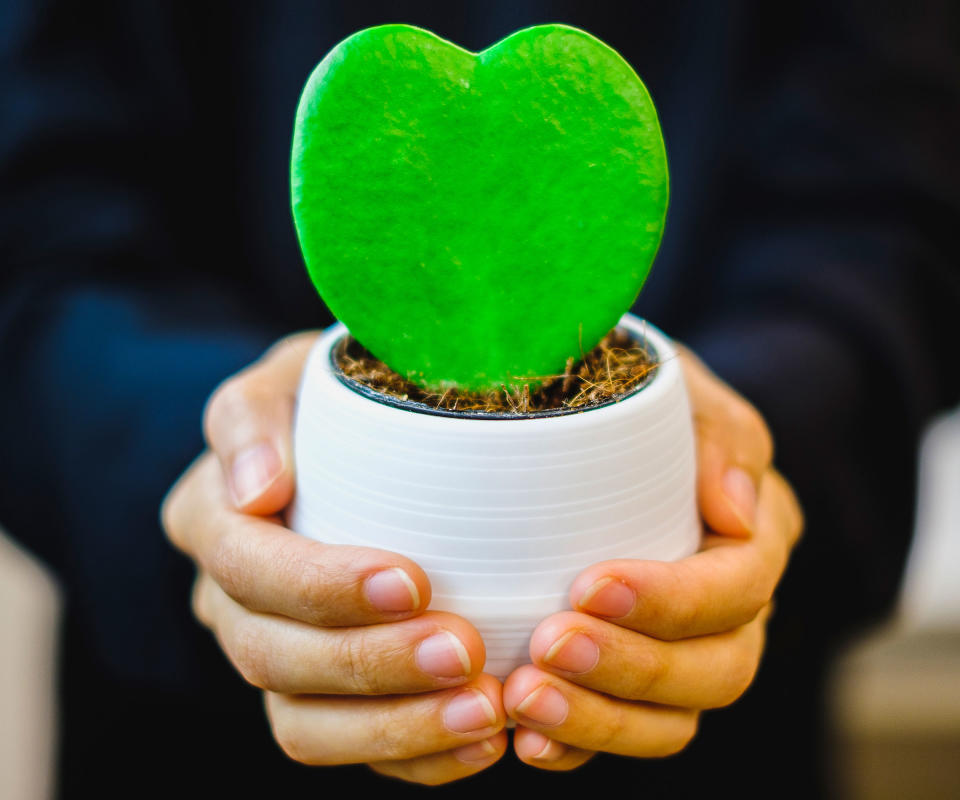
{"type": "Point", "coordinates": [502, 514]}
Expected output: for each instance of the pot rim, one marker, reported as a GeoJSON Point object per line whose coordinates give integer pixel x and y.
{"type": "Point", "coordinates": [423, 408]}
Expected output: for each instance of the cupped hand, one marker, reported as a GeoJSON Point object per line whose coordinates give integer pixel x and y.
{"type": "Point", "coordinates": [651, 644]}
{"type": "Point", "coordinates": [353, 668]}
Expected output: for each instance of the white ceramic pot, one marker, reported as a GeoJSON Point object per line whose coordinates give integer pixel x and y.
{"type": "Point", "coordinates": [501, 512]}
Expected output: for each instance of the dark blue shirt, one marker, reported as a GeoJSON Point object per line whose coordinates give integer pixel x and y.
{"type": "Point", "coordinates": [148, 252]}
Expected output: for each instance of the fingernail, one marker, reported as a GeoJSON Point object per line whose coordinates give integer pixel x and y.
{"type": "Point", "coordinates": [469, 711]}
{"type": "Point", "coordinates": [550, 750]}
{"type": "Point", "coordinates": [443, 656]}
{"type": "Point", "coordinates": [741, 492]}
{"type": "Point", "coordinates": [544, 705]}
{"type": "Point", "coordinates": [253, 470]}
{"type": "Point", "coordinates": [574, 652]}
{"type": "Point", "coordinates": [475, 753]}
{"type": "Point", "coordinates": [392, 590]}
{"type": "Point", "coordinates": [608, 597]}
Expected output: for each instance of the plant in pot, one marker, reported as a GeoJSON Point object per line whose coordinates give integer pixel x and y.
{"type": "Point", "coordinates": [478, 223]}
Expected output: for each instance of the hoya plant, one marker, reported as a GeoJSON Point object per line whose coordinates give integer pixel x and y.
{"type": "Point", "coordinates": [477, 219]}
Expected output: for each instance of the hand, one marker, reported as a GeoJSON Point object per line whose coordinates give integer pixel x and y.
{"type": "Point", "coordinates": [353, 669]}
{"type": "Point", "coordinates": [651, 644]}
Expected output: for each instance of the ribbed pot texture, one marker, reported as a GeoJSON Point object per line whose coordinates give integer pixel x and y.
{"type": "Point", "coordinates": [502, 514]}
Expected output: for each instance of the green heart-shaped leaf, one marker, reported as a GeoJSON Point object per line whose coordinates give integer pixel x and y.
{"type": "Point", "coordinates": [477, 218]}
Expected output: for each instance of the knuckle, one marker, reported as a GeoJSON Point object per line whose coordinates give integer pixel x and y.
{"type": "Point", "coordinates": [686, 733]}
{"type": "Point", "coordinates": [754, 433]}
{"type": "Point", "coordinates": [226, 562]}
{"type": "Point", "coordinates": [756, 599]}
{"type": "Point", "coordinates": [689, 609]}
{"type": "Point", "coordinates": [359, 665]}
{"type": "Point", "coordinates": [182, 510]}
{"type": "Point", "coordinates": [199, 603]}
{"type": "Point", "coordinates": [428, 774]}
{"type": "Point", "coordinates": [764, 441]}
{"type": "Point", "coordinates": [423, 771]}
{"type": "Point", "coordinates": [683, 602]}
{"type": "Point", "coordinates": [383, 737]}
{"type": "Point", "coordinates": [309, 580]}
{"type": "Point", "coordinates": [307, 591]}
{"type": "Point", "coordinates": [740, 414]}
{"type": "Point", "coordinates": [411, 772]}
{"type": "Point", "coordinates": [174, 512]}
{"type": "Point", "coordinates": [758, 595]}
{"type": "Point", "coordinates": [224, 398]}
{"type": "Point", "coordinates": [169, 516]}
{"type": "Point", "coordinates": [766, 589]}
{"type": "Point", "coordinates": [650, 670]}
{"type": "Point", "coordinates": [797, 524]}
{"type": "Point", "coordinates": [757, 590]}
{"type": "Point", "coordinates": [230, 400]}
{"type": "Point", "coordinates": [290, 738]}
{"type": "Point", "coordinates": [612, 731]}
{"type": "Point", "coordinates": [687, 617]}
{"type": "Point", "coordinates": [794, 511]}
{"type": "Point", "coordinates": [252, 656]}
{"type": "Point", "coordinates": [739, 676]}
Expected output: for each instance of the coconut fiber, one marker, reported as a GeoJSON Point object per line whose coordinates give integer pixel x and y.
{"type": "Point", "coordinates": [610, 371]}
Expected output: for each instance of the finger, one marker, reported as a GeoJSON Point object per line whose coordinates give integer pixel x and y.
{"type": "Point", "coordinates": [248, 421]}
{"type": "Point", "coordinates": [428, 652]}
{"type": "Point", "coordinates": [734, 448]}
{"type": "Point", "coordinates": [723, 586]}
{"type": "Point", "coordinates": [589, 720]}
{"type": "Point", "coordinates": [702, 672]}
{"type": "Point", "coordinates": [537, 750]}
{"type": "Point", "coordinates": [451, 765]}
{"type": "Point", "coordinates": [268, 568]}
{"type": "Point", "coordinates": [358, 730]}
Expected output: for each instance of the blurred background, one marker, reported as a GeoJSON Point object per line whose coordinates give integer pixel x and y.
{"type": "Point", "coordinates": [894, 694]}
{"type": "Point", "coordinates": [147, 252]}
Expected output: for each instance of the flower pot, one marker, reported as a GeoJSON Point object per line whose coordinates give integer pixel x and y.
{"type": "Point", "coordinates": [501, 511]}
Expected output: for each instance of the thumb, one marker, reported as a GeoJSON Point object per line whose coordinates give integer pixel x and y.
{"type": "Point", "coordinates": [734, 449]}
{"type": "Point", "coordinates": [248, 422]}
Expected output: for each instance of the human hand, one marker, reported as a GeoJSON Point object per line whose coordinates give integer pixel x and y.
{"type": "Point", "coordinates": [651, 644]}
{"type": "Point", "coordinates": [352, 667]}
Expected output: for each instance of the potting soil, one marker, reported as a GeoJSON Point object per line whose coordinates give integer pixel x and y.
{"type": "Point", "coordinates": [610, 371]}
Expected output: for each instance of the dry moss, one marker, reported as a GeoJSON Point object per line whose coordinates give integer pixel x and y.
{"type": "Point", "coordinates": [611, 370]}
